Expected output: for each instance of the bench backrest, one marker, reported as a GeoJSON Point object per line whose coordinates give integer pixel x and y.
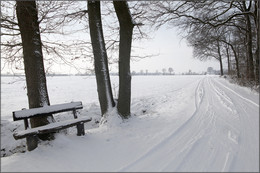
{"type": "Point", "coordinates": [28, 113]}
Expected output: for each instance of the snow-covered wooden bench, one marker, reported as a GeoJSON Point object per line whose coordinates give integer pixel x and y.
{"type": "Point", "coordinates": [31, 133]}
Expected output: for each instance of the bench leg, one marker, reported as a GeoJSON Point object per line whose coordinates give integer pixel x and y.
{"type": "Point", "coordinates": [32, 142]}
{"type": "Point", "coordinates": [81, 130]}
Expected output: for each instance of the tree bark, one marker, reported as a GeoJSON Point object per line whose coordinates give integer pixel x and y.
{"type": "Point", "coordinates": [220, 59]}
{"type": "Point", "coordinates": [228, 60]}
{"type": "Point", "coordinates": [246, 59]}
{"type": "Point", "coordinates": [236, 59]}
{"type": "Point", "coordinates": [257, 52]}
{"type": "Point", "coordinates": [100, 57]}
{"type": "Point", "coordinates": [251, 73]}
{"type": "Point", "coordinates": [27, 16]}
{"type": "Point", "coordinates": [126, 32]}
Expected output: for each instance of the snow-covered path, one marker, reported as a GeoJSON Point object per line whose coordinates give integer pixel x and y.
{"type": "Point", "coordinates": [204, 124]}
{"type": "Point", "coordinates": [221, 135]}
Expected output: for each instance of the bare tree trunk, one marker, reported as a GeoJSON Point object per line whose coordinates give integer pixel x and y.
{"type": "Point", "coordinates": [100, 57]}
{"type": "Point", "coordinates": [236, 59]}
{"type": "Point", "coordinates": [251, 75]}
{"type": "Point", "coordinates": [246, 59]}
{"type": "Point", "coordinates": [228, 60]}
{"type": "Point", "coordinates": [220, 59]}
{"type": "Point", "coordinates": [257, 53]}
{"type": "Point", "coordinates": [126, 32]}
{"type": "Point", "coordinates": [33, 61]}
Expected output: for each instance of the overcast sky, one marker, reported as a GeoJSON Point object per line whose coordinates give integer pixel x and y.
{"type": "Point", "coordinates": [174, 53]}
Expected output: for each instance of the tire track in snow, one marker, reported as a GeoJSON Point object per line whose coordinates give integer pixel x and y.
{"type": "Point", "coordinates": [201, 145]}
{"type": "Point", "coordinates": [198, 99]}
{"type": "Point", "coordinates": [198, 134]}
{"type": "Point", "coordinates": [224, 99]}
{"type": "Point", "coordinates": [210, 140]}
{"type": "Point", "coordinates": [225, 163]}
{"type": "Point", "coordinates": [199, 93]}
{"type": "Point", "coordinates": [250, 101]}
{"type": "Point", "coordinates": [230, 106]}
{"type": "Point", "coordinates": [202, 138]}
{"type": "Point", "coordinates": [217, 139]}
{"type": "Point", "coordinates": [247, 139]}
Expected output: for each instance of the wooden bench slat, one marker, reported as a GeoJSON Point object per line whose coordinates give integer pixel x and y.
{"type": "Point", "coordinates": [28, 113]}
{"type": "Point", "coordinates": [50, 127]}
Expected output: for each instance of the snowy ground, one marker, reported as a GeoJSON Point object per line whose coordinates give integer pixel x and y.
{"type": "Point", "coordinates": [179, 123]}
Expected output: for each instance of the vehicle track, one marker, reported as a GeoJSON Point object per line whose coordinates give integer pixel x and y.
{"type": "Point", "coordinates": [218, 127]}
{"type": "Point", "coordinates": [248, 136]}
{"type": "Point", "coordinates": [174, 134]}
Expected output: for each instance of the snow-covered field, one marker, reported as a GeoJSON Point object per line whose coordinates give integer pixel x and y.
{"type": "Point", "coordinates": [179, 123]}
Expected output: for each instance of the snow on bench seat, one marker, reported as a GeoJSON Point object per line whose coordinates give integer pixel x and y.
{"type": "Point", "coordinates": [27, 113]}
{"type": "Point", "coordinates": [50, 127]}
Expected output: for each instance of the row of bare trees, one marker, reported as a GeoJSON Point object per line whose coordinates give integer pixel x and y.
{"type": "Point", "coordinates": [217, 29]}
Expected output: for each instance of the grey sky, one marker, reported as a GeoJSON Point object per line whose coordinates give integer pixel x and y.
{"type": "Point", "coordinates": [174, 53]}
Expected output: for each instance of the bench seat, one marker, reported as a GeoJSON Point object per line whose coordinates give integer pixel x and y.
{"type": "Point", "coordinates": [28, 113]}
{"type": "Point", "coordinates": [32, 134]}
{"type": "Point", "coordinates": [50, 127]}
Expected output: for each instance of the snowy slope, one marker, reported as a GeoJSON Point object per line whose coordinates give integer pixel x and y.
{"type": "Point", "coordinates": [179, 123]}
